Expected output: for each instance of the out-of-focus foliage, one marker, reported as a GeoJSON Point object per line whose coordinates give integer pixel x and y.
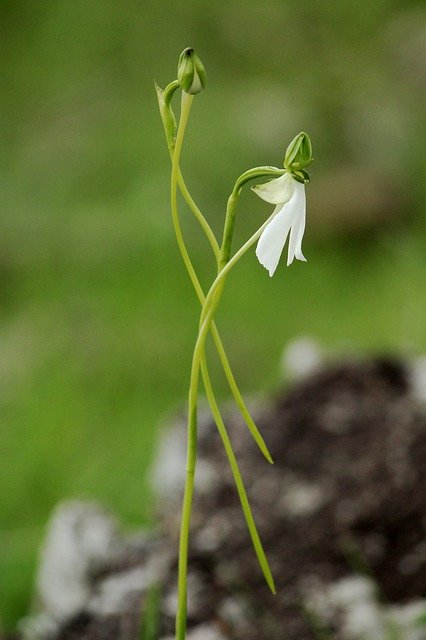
{"type": "Point", "coordinates": [97, 318]}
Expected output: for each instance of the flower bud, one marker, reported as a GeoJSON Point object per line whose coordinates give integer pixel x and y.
{"type": "Point", "coordinates": [299, 153]}
{"type": "Point", "coordinates": [191, 72]}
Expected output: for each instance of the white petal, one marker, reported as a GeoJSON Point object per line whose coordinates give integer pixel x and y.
{"type": "Point", "coordinates": [298, 253]}
{"type": "Point", "coordinates": [196, 85]}
{"type": "Point", "coordinates": [276, 191]}
{"type": "Point", "coordinates": [297, 211]}
{"type": "Point", "coordinates": [271, 242]}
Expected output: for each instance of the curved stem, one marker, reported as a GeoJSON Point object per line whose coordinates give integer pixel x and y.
{"type": "Point", "coordinates": [199, 216]}
{"type": "Point", "coordinates": [228, 229]}
{"type": "Point", "coordinates": [169, 124]}
{"type": "Point", "coordinates": [257, 172]}
{"type": "Point", "coordinates": [181, 614]}
{"type": "Point", "coordinates": [248, 175]}
{"type": "Point", "coordinates": [239, 400]}
{"type": "Point", "coordinates": [210, 304]}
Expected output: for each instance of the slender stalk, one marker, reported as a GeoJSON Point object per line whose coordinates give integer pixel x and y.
{"type": "Point", "coordinates": [239, 400]}
{"type": "Point", "coordinates": [199, 216]}
{"type": "Point", "coordinates": [209, 308]}
{"type": "Point", "coordinates": [263, 561]}
{"type": "Point", "coordinates": [227, 444]}
{"type": "Point", "coordinates": [181, 614]}
{"type": "Point", "coordinates": [228, 229]}
{"type": "Point", "coordinates": [190, 467]}
{"type": "Point", "coordinates": [191, 454]}
{"type": "Point", "coordinates": [169, 123]}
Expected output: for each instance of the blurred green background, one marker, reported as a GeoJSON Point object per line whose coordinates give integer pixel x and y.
{"type": "Point", "coordinates": [97, 317]}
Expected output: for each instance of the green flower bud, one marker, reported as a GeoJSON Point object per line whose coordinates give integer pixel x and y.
{"type": "Point", "coordinates": [299, 153]}
{"type": "Point", "coordinates": [191, 72]}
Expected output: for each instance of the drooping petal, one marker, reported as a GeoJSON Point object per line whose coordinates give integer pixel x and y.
{"type": "Point", "coordinates": [276, 191]}
{"type": "Point", "coordinates": [298, 253]}
{"type": "Point", "coordinates": [297, 207]}
{"type": "Point", "coordinates": [271, 243]}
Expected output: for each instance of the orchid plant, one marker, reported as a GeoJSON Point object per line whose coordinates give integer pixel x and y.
{"type": "Point", "coordinates": [286, 190]}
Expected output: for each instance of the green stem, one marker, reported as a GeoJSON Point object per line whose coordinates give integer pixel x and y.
{"type": "Point", "coordinates": [239, 400]}
{"type": "Point", "coordinates": [228, 229]}
{"type": "Point", "coordinates": [199, 216]}
{"type": "Point", "coordinates": [207, 314]}
{"type": "Point", "coordinates": [191, 454]}
{"type": "Point", "coordinates": [211, 301]}
{"type": "Point", "coordinates": [237, 476]}
{"type": "Point", "coordinates": [190, 467]}
{"type": "Point", "coordinates": [169, 123]}
{"type": "Point", "coordinates": [181, 614]}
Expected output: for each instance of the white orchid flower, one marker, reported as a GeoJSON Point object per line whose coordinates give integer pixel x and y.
{"type": "Point", "coordinates": [290, 213]}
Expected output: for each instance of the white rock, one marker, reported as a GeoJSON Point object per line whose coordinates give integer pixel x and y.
{"type": "Point", "coordinates": [205, 632]}
{"type": "Point", "coordinates": [202, 632]}
{"type": "Point", "coordinates": [300, 499]}
{"type": "Point", "coordinates": [352, 601]}
{"type": "Point", "coordinates": [80, 536]}
{"type": "Point", "coordinates": [301, 358]}
{"type": "Point", "coordinates": [40, 627]}
{"type": "Point", "coordinates": [116, 589]}
{"type": "Point", "coordinates": [404, 618]}
{"type": "Point", "coordinates": [418, 378]}
{"type": "Point", "coordinates": [168, 472]}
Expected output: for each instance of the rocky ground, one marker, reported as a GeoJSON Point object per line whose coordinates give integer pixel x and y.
{"type": "Point", "coordinates": [341, 514]}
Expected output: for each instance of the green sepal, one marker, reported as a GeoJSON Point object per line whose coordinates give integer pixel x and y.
{"type": "Point", "coordinates": [255, 174]}
{"type": "Point", "coordinates": [164, 97]}
{"type": "Point", "coordinates": [299, 153]}
{"type": "Point", "coordinates": [191, 72]}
